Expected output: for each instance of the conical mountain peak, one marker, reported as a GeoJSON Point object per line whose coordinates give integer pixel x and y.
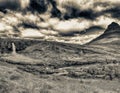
{"type": "Point", "coordinates": [113, 27]}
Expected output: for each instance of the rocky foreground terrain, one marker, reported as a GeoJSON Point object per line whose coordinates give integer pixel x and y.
{"type": "Point", "coordinates": [52, 67]}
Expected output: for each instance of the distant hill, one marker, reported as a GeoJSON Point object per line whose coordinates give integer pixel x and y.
{"type": "Point", "coordinates": [110, 36]}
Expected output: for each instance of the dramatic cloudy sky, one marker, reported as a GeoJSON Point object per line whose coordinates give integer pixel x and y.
{"type": "Point", "coordinates": [71, 21]}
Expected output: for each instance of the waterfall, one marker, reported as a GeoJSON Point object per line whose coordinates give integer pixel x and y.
{"type": "Point", "coordinates": [13, 48]}
{"type": "Point", "coordinates": [81, 52]}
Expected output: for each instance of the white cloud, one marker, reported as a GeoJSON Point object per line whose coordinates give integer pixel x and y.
{"type": "Point", "coordinates": [4, 27]}
{"type": "Point", "coordinates": [26, 33]}
{"type": "Point", "coordinates": [104, 21]}
{"type": "Point", "coordinates": [72, 25]}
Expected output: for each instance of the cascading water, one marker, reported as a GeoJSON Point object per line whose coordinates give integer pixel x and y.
{"type": "Point", "coordinates": [13, 49]}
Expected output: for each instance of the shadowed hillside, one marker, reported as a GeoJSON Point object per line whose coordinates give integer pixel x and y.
{"type": "Point", "coordinates": [110, 36]}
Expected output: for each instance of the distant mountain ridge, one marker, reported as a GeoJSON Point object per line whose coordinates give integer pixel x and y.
{"type": "Point", "coordinates": [111, 34]}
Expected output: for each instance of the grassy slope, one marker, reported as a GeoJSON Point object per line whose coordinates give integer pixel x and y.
{"type": "Point", "coordinates": [51, 67]}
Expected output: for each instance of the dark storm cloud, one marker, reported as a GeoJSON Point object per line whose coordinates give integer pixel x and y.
{"type": "Point", "coordinates": [114, 12]}
{"type": "Point", "coordinates": [91, 12]}
{"type": "Point", "coordinates": [99, 14]}
{"type": "Point", "coordinates": [38, 5]}
{"type": "Point", "coordinates": [108, 8]}
{"type": "Point", "coordinates": [90, 30]}
{"type": "Point", "coordinates": [14, 4]}
{"type": "Point", "coordinates": [69, 34]}
{"type": "Point", "coordinates": [75, 13]}
{"type": "Point", "coordinates": [55, 11]}
{"type": "Point", "coordinates": [73, 9]}
{"type": "Point", "coordinates": [8, 4]}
